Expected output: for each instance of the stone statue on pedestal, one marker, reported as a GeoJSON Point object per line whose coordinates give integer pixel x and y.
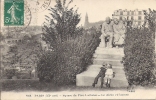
{"type": "Point", "coordinates": [113, 33]}
{"type": "Point", "coordinates": [107, 33]}
{"type": "Point", "coordinates": [119, 32]}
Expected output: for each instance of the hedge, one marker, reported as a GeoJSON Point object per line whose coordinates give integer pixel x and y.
{"type": "Point", "coordinates": [139, 56]}
{"type": "Point", "coordinates": [72, 58]}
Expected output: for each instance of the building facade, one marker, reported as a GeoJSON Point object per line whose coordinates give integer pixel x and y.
{"type": "Point", "coordinates": [137, 16]}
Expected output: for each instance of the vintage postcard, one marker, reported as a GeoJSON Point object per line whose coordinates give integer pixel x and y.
{"type": "Point", "coordinates": [77, 49]}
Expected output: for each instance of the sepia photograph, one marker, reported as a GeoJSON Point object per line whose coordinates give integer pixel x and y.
{"type": "Point", "coordinates": [77, 49]}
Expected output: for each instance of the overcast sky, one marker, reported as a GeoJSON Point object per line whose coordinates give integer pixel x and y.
{"type": "Point", "coordinates": [99, 9]}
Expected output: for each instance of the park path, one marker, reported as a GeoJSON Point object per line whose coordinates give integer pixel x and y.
{"type": "Point", "coordinates": [107, 55]}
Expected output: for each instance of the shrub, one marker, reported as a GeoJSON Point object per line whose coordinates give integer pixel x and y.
{"type": "Point", "coordinates": [139, 55]}
{"type": "Point", "coordinates": [76, 55]}
{"type": "Point", "coordinates": [23, 75]}
{"type": "Point", "coordinates": [46, 66]}
{"type": "Point", "coordinates": [9, 73]}
{"type": "Point", "coordinates": [72, 47]}
{"type": "Point", "coordinates": [72, 58]}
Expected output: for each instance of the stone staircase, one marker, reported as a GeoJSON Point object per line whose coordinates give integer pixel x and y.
{"type": "Point", "coordinates": [106, 55]}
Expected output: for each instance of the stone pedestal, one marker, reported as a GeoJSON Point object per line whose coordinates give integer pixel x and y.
{"type": "Point", "coordinates": [106, 55]}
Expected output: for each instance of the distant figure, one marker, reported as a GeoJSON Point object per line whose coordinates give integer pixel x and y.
{"type": "Point", "coordinates": [101, 74]}
{"type": "Point", "coordinates": [129, 24]}
{"type": "Point", "coordinates": [107, 33]}
{"type": "Point", "coordinates": [134, 24]}
{"type": "Point", "coordinates": [109, 75]}
{"type": "Point", "coordinates": [119, 32]}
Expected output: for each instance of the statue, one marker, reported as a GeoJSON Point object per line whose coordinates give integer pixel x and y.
{"type": "Point", "coordinates": [119, 32]}
{"type": "Point", "coordinates": [107, 33]}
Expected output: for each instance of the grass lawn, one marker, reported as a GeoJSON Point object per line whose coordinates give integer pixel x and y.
{"type": "Point", "coordinates": [35, 85]}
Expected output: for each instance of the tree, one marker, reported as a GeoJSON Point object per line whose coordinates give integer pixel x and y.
{"type": "Point", "coordinates": [62, 23]}
{"type": "Point", "coordinates": [139, 52]}
{"type": "Point", "coordinates": [72, 47]}
{"type": "Point", "coordinates": [26, 51]}
{"type": "Point", "coordinates": [73, 57]}
{"type": "Point", "coordinates": [60, 27]}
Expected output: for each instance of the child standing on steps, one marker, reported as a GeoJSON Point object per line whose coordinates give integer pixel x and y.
{"type": "Point", "coordinates": [109, 75]}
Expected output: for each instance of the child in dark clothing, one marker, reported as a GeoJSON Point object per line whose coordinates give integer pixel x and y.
{"type": "Point", "coordinates": [101, 74]}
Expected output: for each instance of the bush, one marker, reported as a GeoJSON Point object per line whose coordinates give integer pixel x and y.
{"type": "Point", "coordinates": [23, 75]}
{"type": "Point", "coordinates": [15, 74]}
{"type": "Point", "coordinates": [76, 55]}
{"type": "Point", "coordinates": [9, 73]}
{"type": "Point", "coordinates": [72, 58]}
{"type": "Point", "coordinates": [139, 55]}
{"type": "Point", "coordinates": [46, 66]}
{"type": "Point", "coordinates": [72, 46]}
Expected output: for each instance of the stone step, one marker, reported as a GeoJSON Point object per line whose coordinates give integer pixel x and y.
{"type": "Point", "coordinates": [108, 56]}
{"type": "Point", "coordinates": [104, 55]}
{"type": "Point", "coordinates": [119, 49]}
{"type": "Point", "coordinates": [110, 53]}
{"type": "Point", "coordinates": [102, 52]}
{"type": "Point", "coordinates": [116, 69]}
{"type": "Point", "coordinates": [118, 76]}
{"type": "Point", "coordinates": [113, 62]}
{"type": "Point", "coordinates": [99, 66]}
{"type": "Point", "coordinates": [85, 79]}
{"type": "Point", "coordinates": [111, 50]}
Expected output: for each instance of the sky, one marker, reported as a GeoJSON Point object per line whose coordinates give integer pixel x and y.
{"type": "Point", "coordinates": [97, 9]}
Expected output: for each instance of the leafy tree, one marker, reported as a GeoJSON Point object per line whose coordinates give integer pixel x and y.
{"type": "Point", "coordinates": [26, 51]}
{"type": "Point", "coordinates": [72, 47]}
{"type": "Point", "coordinates": [72, 58]}
{"type": "Point", "coordinates": [139, 52]}
{"type": "Point", "coordinates": [61, 24]}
